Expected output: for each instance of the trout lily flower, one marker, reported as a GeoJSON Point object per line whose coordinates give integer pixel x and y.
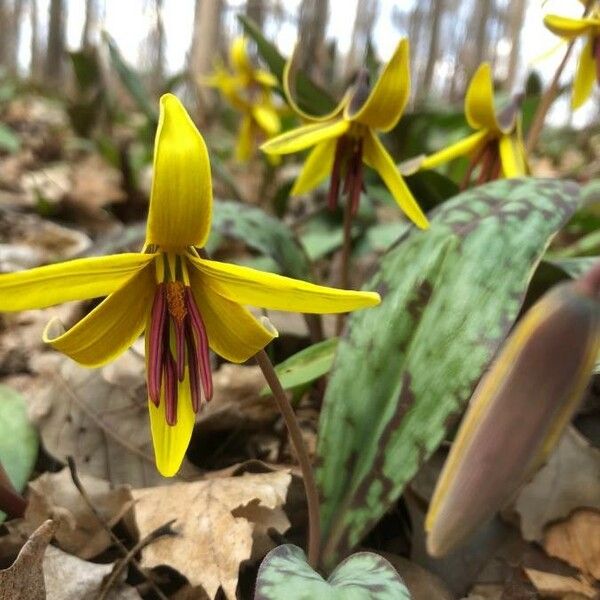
{"type": "Point", "coordinates": [185, 303]}
{"type": "Point", "coordinates": [249, 91]}
{"type": "Point", "coordinates": [497, 146]}
{"type": "Point", "coordinates": [588, 67]}
{"type": "Point", "coordinates": [347, 137]}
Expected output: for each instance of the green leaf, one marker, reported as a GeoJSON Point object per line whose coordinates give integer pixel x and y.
{"type": "Point", "coordinates": [305, 366]}
{"type": "Point", "coordinates": [18, 439]}
{"type": "Point", "coordinates": [130, 80]}
{"type": "Point", "coordinates": [86, 68]}
{"type": "Point", "coordinates": [9, 140]}
{"type": "Point", "coordinates": [311, 97]}
{"type": "Point", "coordinates": [284, 573]}
{"type": "Point", "coordinates": [406, 368]}
{"type": "Point", "coordinates": [260, 231]}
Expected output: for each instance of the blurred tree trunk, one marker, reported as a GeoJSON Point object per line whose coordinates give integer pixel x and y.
{"type": "Point", "coordinates": [14, 37]}
{"type": "Point", "coordinates": [53, 71]}
{"type": "Point", "coordinates": [90, 22]}
{"type": "Point", "coordinates": [255, 10]}
{"type": "Point", "coordinates": [4, 33]}
{"type": "Point", "coordinates": [35, 64]}
{"type": "Point", "coordinates": [436, 14]}
{"type": "Point", "coordinates": [366, 12]}
{"type": "Point", "coordinates": [312, 21]}
{"type": "Point", "coordinates": [481, 17]}
{"type": "Point", "coordinates": [157, 68]}
{"type": "Point", "coordinates": [516, 16]}
{"type": "Point", "coordinates": [205, 48]}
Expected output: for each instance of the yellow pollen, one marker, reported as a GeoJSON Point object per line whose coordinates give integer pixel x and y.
{"type": "Point", "coordinates": [175, 300]}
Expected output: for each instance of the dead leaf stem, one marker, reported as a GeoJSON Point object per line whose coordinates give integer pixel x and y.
{"type": "Point", "coordinates": [310, 486]}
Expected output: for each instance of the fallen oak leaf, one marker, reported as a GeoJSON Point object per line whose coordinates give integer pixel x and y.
{"type": "Point", "coordinates": [558, 586]}
{"type": "Point", "coordinates": [24, 579]}
{"type": "Point", "coordinates": [212, 541]}
{"type": "Point", "coordinates": [576, 540]}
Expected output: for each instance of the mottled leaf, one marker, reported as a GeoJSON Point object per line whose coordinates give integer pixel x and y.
{"type": "Point", "coordinates": [284, 573]}
{"type": "Point", "coordinates": [306, 366]}
{"type": "Point", "coordinates": [406, 368]}
{"type": "Point", "coordinates": [18, 439]}
{"type": "Point", "coordinates": [260, 231]}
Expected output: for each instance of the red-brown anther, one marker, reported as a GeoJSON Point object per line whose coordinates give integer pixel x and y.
{"type": "Point", "coordinates": [156, 339]}
{"type": "Point", "coordinates": [336, 173]}
{"type": "Point", "coordinates": [596, 52]}
{"type": "Point", "coordinates": [195, 390]}
{"type": "Point", "coordinates": [170, 395]}
{"type": "Point", "coordinates": [356, 185]}
{"type": "Point", "coordinates": [202, 356]}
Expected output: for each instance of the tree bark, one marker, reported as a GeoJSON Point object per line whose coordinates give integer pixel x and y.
{"type": "Point", "coordinates": [366, 11]}
{"type": "Point", "coordinates": [56, 43]}
{"type": "Point", "coordinates": [516, 15]}
{"type": "Point", "coordinates": [436, 14]}
{"type": "Point", "coordinates": [204, 49]}
{"type": "Point", "coordinates": [312, 21]}
{"type": "Point", "coordinates": [90, 22]}
{"type": "Point", "coordinates": [35, 67]}
{"type": "Point", "coordinates": [255, 10]}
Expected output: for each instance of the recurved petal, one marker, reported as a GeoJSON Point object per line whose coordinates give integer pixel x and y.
{"type": "Point", "coordinates": [78, 279]}
{"type": "Point", "coordinates": [265, 78]}
{"type": "Point", "coordinates": [585, 75]}
{"type": "Point", "coordinates": [111, 327]}
{"type": "Point", "coordinates": [376, 156]}
{"type": "Point", "coordinates": [267, 118]}
{"type": "Point", "coordinates": [317, 166]}
{"type": "Point", "coordinates": [463, 147]}
{"type": "Point", "coordinates": [171, 441]}
{"type": "Point", "coordinates": [181, 199]}
{"type": "Point", "coordinates": [305, 137]}
{"type": "Point", "coordinates": [267, 290]}
{"type": "Point", "coordinates": [570, 28]}
{"type": "Point", "coordinates": [244, 143]}
{"type": "Point", "coordinates": [233, 332]}
{"type": "Point", "coordinates": [386, 102]}
{"type": "Point", "coordinates": [238, 56]}
{"type": "Point", "coordinates": [288, 89]}
{"type": "Point", "coordinates": [479, 101]}
{"type": "Point", "coordinates": [512, 156]}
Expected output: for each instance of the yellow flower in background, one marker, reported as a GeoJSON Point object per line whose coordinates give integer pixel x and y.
{"type": "Point", "coordinates": [249, 91]}
{"type": "Point", "coordinates": [497, 146]}
{"type": "Point", "coordinates": [185, 304]}
{"type": "Point", "coordinates": [347, 137]}
{"type": "Point", "coordinates": [588, 67]}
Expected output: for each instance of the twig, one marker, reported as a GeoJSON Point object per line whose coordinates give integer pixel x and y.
{"type": "Point", "coordinates": [11, 502]}
{"type": "Point", "coordinates": [129, 557]}
{"type": "Point", "coordinates": [310, 486]}
{"type": "Point", "coordinates": [549, 96]}
{"type": "Point", "coordinates": [122, 548]}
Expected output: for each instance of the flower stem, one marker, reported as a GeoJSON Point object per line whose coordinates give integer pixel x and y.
{"type": "Point", "coordinates": [11, 502]}
{"type": "Point", "coordinates": [345, 260]}
{"type": "Point", "coordinates": [549, 96]}
{"type": "Point", "coordinates": [310, 485]}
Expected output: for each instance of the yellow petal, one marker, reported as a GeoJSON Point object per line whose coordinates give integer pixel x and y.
{"type": "Point", "coordinates": [511, 157]}
{"type": "Point", "coordinates": [288, 87]}
{"type": "Point", "coordinates": [266, 290]}
{"type": "Point", "coordinates": [78, 279]}
{"type": "Point", "coordinates": [376, 156]}
{"type": "Point", "coordinates": [386, 102]}
{"type": "Point", "coordinates": [265, 78]}
{"type": "Point", "coordinates": [267, 118]}
{"type": "Point", "coordinates": [570, 28]}
{"type": "Point", "coordinates": [479, 101]}
{"type": "Point", "coordinates": [232, 331]}
{"type": "Point", "coordinates": [463, 147]}
{"type": "Point", "coordinates": [112, 326]}
{"type": "Point", "coordinates": [181, 200]}
{"type": "Point", "coordinates": [244, 144]}
{"type": "Point", "coordinates": [238, 56]}
{"type": "Point", "coordinates": [585, 75]}
{"type": "Point", "coordinates": [317, 166]}
{"type": "Point", "coordinates": [171, 441]}
{"type": "Point", "coordinates": [305, 136]}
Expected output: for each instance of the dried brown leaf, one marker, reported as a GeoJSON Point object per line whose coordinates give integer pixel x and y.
{"type": "Point", "coordinates": [54, 495]}
{"type": "Point", "coordinates": [568, 481]}
{"type": "Point", "coordinates": [576, 540]}
{"type": "Point", "coordinates": [212, 540]}
{"type": "Point", "coordinates": [557, 586]}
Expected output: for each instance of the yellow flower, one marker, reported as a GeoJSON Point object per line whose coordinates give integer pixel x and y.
{"type": "Point", "coordinates": [497, 145]}
{"type": "Point", "coordinates": [183, 302]}
{"type": "Point", "coordinates": [249, 91]}
{"type": "Point", "coordinates": [588, 67]}
{"type": "Point", "coordinates": [346, 138]}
